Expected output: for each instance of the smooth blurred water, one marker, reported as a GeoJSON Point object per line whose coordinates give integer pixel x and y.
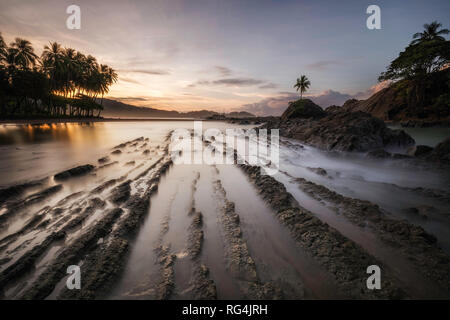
{"type": "Point", "coordinates": [35, 151]}
{"type": "Point", "coordinates": [426, 136]}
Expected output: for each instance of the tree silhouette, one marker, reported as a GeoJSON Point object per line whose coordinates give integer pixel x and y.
{"type": "Point", "coordinates": [302, 84]}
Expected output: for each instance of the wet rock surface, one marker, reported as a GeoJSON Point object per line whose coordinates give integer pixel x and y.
{"type": "Point", "coordinates": [416, 244]}
{"type": "Point", "coordinates": [101, 249]}
{"type": "Point", "coordinates": [341, 131]}
{"type": "Point", "coordinates": [340, 256]}
{"type": "Point", "coordinates": [103, 159]}
{"type": "Point", "coordinates": [14, 207]}
{"type": "Point", "coordinates": [304, 108]}
{"type": "Point", "coordinates": [17, 190]}
{"type": "Point", "coordinates": [442, 152]}
{"type": "Point", "coordinates": [74, 172]}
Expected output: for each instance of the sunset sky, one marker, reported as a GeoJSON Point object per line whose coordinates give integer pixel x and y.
{"type": "Point", "coordinates": [225, 55]}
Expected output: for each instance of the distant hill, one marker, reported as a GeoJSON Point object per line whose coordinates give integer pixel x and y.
{"type": "Point", "coordinates": [117, 109]}
{"type": "Point", "coordinates": [198, 114]}
{"type": "Point", "coordinates": [240, 114]}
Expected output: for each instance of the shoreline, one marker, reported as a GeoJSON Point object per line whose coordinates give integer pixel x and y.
{"type": "Point", "coordinates": [86, 120]}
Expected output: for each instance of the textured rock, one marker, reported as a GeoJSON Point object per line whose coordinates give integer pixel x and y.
{"type": "Point", "coordinates": [442, 152]}
{"type": "Point", "coordinates": [414, 103]}
{"type": "Point", "coordinates": [304, 108]}
{"type": "Point", "coordinates": [342, 131]}
{"type": "Point", "coordinates": [74, 172]}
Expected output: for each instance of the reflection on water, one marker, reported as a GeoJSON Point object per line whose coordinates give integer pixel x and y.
{"type": "Point", "coordinates": [30, 134]}
{"type": "Point", "coordinates": [35, 151]}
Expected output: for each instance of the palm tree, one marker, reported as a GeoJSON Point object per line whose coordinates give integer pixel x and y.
{"type": "Point", "coordinates": [108, 77]}
{"type": "Point", "coordinates": [431, 32]}
{"type": "Point", "coordinates": [53, 64]}
{"type": "Point", "coordinates": [3, 48]}
{"type": "Point", "coordinates": [22, 53]}
{"type": "Point", "coordinates": [302, 84]}
{"type": "Point", "coordinates": [71, 70]}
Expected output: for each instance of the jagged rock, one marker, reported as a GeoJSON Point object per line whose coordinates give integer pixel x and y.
{"type": "Point", "coordinates": [74, 172]}
{"type": "Point", "coordinates": [103, 160]}
{"type": "Point", "coordinates": [423, 211]}
{"type": "Point", "coordinates": [342, 131]}
{"type": "Point", "coordinates": [442, 151]}
{"type": "Point", "coordinates": [333, 109]}
{"type": "Point", "coordinates": [419, 151]}
{"type": "Point", "coordinates": [304, 108]}
{"type": "Point", "coordinates": [379, 153]}
{"type": "Point", "coordinates": [319, 171]}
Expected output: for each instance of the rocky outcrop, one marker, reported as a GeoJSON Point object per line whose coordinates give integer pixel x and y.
{"type": "Point", "coordinates": [74, 172]}
{"type": "Point", "coordinates": [413, 103]}
{"type": "Point", "coordinates": [442, 152]}
{"type": "Point", "coordinates": [420, 151]}
{"type": "Point", "coordinates": [303, 109]}
{"type": "Point", "coordinates": [340, 131]}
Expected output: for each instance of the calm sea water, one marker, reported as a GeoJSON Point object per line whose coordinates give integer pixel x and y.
{"type": "Point", "coordinates": [426, 136]}
{"type": "Point", "coordinates": [31, 152]}
{"type": "Point", "coordinates": [36, 151]}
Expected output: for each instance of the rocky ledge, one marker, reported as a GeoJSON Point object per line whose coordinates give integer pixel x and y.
{"type": "Point", "coordinates": [337, 129]}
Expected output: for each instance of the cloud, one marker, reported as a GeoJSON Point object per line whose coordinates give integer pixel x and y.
{"type": "Point", "coordinates": [230, 82]}
{"type": "Point", "coordinates": [125, 79]}
{"type": "Point", "coordinates": [275, 106]}
{"type": "Point", "coordinates": [269, 85]}
{"type": "Point", "coordinates": [330, 97]}
{"type": "Point", "coordinates": [372, 90]}
{"type": "Point", "coordinates": [238, 82]}
{"type": "Point", "coordinates": [224, 71]}
{"type": "Point", "coordinates": [322, 65]}
{"type": "Point", "coordinates": [146, 71]}
{"type": "Point", "coordinates": [128, 98]}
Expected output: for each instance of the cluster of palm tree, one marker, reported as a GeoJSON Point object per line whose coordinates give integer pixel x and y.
{"type": "Point", "coordinates": [61, 82]}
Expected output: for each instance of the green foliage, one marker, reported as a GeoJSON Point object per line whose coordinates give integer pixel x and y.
{"type": "Point", "coordinates": [428, 53]}
{"type": "Point", "coordinates": [442, 102]}
{"type": "Point", "coordinates": [418, 60]}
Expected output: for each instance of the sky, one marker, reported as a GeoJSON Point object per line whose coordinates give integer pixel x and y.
{"type": "Point", "coordinates": [228, 55]}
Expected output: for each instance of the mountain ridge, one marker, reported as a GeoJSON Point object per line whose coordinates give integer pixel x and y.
{"type": "Point", "coordinates": [117, 109]}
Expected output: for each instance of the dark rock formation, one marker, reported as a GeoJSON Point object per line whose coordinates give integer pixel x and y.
{"type": "Point", "coordinates": [17, 190]}
{"type": "Point", "coordinates": [74, 172]}
{"type": "Point", "coordinates": [420, 151]}
{"type": "Point", "coordinates": [319, 171]}
{"type": "Point", "coordinates": [333, 109]}
{"type": "Point", "coordinates": [104, 159]}
{"type": "Point", "coordinates": [304, 108]}
{"type": "Point", "coordinates": [340, 131]}
{"type": "Point", "coordinates": [442, 152]}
